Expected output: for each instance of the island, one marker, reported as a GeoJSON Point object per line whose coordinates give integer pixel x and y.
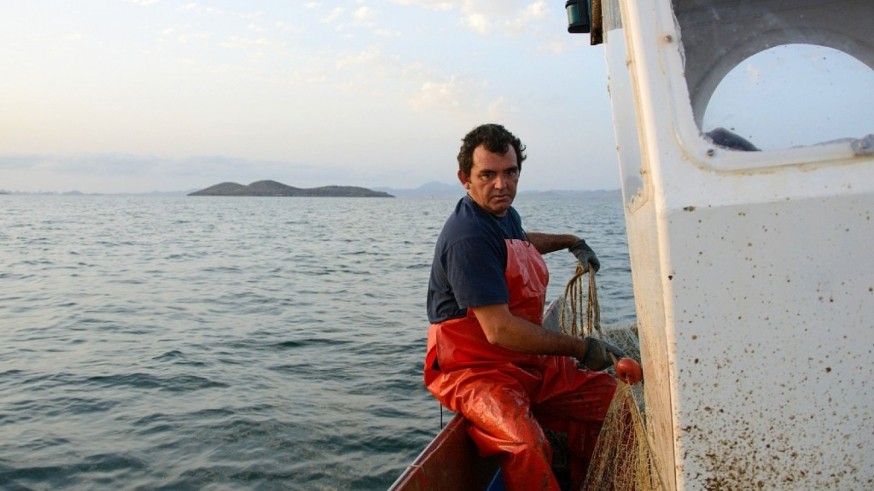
{"type": "Point", "coordinates": [273, 188]}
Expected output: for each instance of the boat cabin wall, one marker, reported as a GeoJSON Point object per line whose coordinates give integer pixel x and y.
{"type": "Point", "coordinates": [748, 228]}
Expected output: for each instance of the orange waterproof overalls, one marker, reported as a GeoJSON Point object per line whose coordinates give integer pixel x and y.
{"type": "Point", "coordinates": [508, 396]}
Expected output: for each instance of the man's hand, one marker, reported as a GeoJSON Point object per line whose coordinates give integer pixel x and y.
{"type": "Point", "coordinates": [597, 355]}
{"type": "Point", "coordinates": [585, 255]}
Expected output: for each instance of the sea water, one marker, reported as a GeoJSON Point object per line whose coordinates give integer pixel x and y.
{"type": "Point", "coordinates": [152, 342]}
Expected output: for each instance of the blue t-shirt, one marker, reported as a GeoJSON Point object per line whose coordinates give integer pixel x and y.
{"type": "Point", "coordinates": [469, 261]}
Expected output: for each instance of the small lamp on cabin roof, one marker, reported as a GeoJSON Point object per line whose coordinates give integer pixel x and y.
{"type": "Point", "coordinates": [578, 18]}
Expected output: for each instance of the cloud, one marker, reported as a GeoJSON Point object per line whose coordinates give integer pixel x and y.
{"type": "Point", "coordinates": [184, 34]}
{"type": "Point", "coordinates": [18, 162]}
{"type": "Point", "coordinates": [246, 42]}
{"type": "Point", "coordinates": [371, 57]}
{"type": "Point", "coordinates": [342, 19]}
{"type": "Point", "coordinates": [333, 15]}
{"type": "Point", "coordinates": [499, 109]}
{"type": "Point", "coordinates": [121, 173]}
{"type": "Point", "coordinates": [528, 16]}
{"type": "Point", "coordinates": [387, 33]}
{"type": "Point", "coordinates": [555, 45]}
{"type": "Point", "coordinates": [364, 14]}
{"type": "Point", "coordinates": [255, 27]}
{"type": "Point", "coordinates": [440, 5]}
{"type": "Point", "coordinates": [273, 85]}
{"type": "Point", "coordinates": [465, 97]}
{"type": "Point", "coordinates": [477, 23]}
{"type": "Point", "coordinates": [200, 9]}
{"type": "Point", "coordinates": [487, 16]}
{"type": "Point", "coordinates": [109, 164]}
{"type": "Point", "coordinates": [437, 94]}
{"type": "Point", "coordinates": [372, 71]}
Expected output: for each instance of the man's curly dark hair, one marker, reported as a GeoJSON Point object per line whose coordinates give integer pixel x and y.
{"type": "Point", "coordinates": [495, 138]}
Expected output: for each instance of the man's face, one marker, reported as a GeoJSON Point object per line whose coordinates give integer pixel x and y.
{"type": "Point", "coordinates": [492, 180]}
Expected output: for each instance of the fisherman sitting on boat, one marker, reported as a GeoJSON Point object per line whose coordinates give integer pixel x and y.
{"type": "Point", "coordinates": [489, 358]}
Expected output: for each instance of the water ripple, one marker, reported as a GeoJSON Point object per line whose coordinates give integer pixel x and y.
{"type": "Point", "coordinates": [176, 343]}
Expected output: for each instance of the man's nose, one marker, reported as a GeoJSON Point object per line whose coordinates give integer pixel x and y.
{"type": "Point", "coordinates": [500, 182]}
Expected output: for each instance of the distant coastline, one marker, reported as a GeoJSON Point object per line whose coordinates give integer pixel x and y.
{"type": "Point", "coordinates": [273, 188]}
{"type": "Point", "coordinates": [432, 189]}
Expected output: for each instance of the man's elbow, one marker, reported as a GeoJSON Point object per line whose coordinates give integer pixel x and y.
{"type": "Point", "coordinates": [500, 333]}
{"type": "Point", "coordinates": [496, 323]}
{"type": "Point", "coordinates": [495, 335]}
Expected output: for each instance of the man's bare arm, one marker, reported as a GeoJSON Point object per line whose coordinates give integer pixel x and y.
{"type": "Point", "coordinates": [504, 329]}
{"type": "Point", "coordinates": [546, 243]}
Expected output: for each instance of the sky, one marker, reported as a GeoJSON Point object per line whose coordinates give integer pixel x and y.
{"type": "Point", "coordinates": [129, 96]}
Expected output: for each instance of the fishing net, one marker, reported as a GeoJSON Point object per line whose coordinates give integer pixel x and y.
{"type": "Point", "coordinates": [623, 458]}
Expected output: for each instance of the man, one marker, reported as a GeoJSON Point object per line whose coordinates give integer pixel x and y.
{"type": "Point", "coordinates": [488, 356]}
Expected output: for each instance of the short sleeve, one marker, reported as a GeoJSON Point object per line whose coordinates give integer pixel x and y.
{"type": "Point", "coordinates": [476, 272]}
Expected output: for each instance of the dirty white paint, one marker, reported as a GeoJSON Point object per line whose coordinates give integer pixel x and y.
{"type": "Point", "coordinates": [754, 282]}
{"type": "Point", "coordinates": [774, 329]}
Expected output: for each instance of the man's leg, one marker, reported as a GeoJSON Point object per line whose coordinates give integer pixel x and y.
{"type": "Point", "coordinates": [497, 405]}
{"type": "Point", "coordinates": [574, 402]}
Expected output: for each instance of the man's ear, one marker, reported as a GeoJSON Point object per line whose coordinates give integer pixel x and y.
{"type": "Point", "coordinates": [464, 179]}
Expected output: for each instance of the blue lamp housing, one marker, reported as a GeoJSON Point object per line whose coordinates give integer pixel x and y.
{"type": "Point", "coordinates": [579, 20]}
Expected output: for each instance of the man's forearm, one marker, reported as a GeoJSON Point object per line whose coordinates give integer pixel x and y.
{"type": "Point", "coordinates": [546, 243]}
{"type": "Point", "coordinates": [503, 329]}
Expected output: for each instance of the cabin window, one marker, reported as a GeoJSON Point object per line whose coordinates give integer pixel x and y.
{"type": "Point", "coordinates": [794, 95]}
{"type": "Point", "coordinates": [779, 74]}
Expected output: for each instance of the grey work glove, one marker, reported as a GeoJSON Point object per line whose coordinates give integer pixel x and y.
{"type": "Point", "coordinates": [597, 355]}
{"type": "Point", "coordinates": [585, 255]}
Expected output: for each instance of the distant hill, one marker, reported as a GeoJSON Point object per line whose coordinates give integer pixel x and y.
{"type": "Point", "coordinates": [433, 189]}
{"type": "Point", "coordinates": [273, 188]}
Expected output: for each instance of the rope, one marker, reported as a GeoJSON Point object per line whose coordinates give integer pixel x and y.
{"type": "Point", "coordinates": [571, 319]}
